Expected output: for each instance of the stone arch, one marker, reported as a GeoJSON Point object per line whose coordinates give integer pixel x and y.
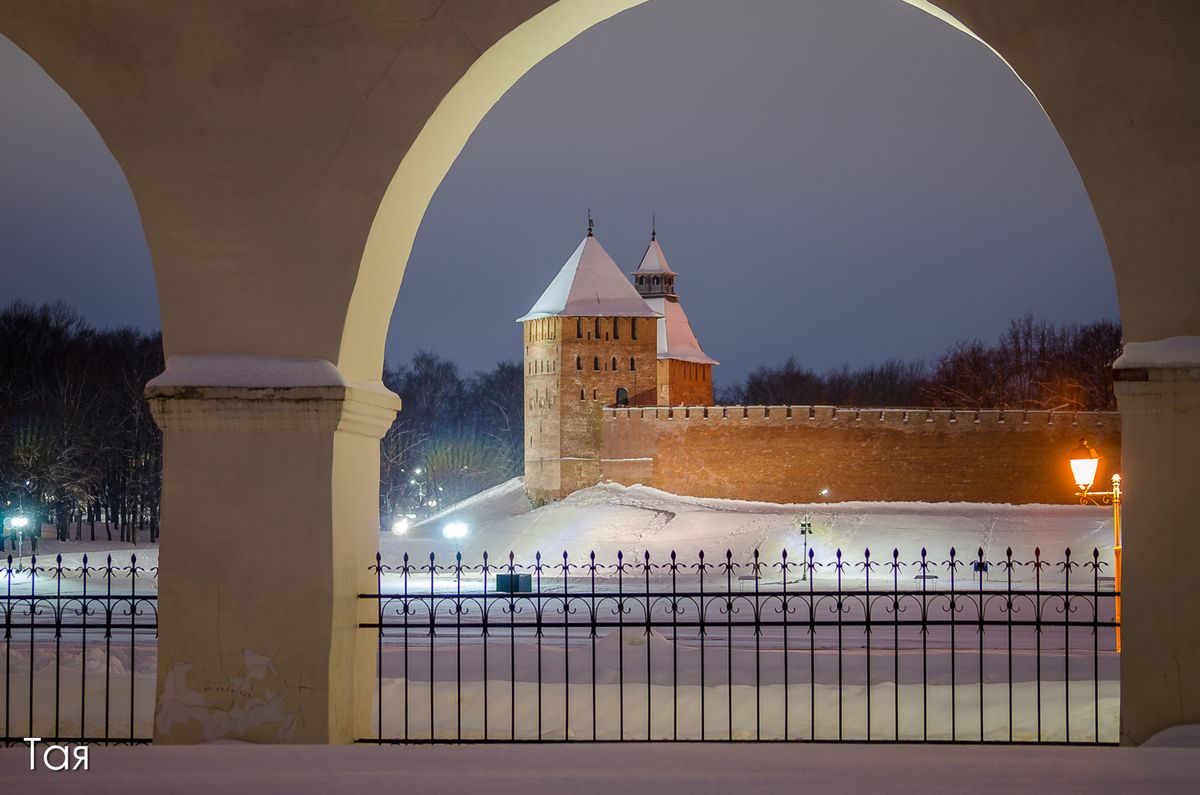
{"type": "Point", "coordinates": [279, 221]}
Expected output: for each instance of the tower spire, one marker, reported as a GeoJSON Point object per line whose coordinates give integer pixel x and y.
{"type": "Point", "coordinates": [591, 225]}
{"type": "Point", "coordinates": [653, 227]}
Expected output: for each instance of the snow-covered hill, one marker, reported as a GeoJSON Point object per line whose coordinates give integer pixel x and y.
{"type": "Point", "coordinates": [635, 519]}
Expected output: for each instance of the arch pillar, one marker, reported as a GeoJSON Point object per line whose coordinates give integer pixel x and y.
{"type": "Point", "coordinates": [1160, 415]}
{"type": "Point", "coordinates": [271, 495]}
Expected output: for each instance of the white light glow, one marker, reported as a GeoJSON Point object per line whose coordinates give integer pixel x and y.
{"type": "Point", "coordinates": [400, 526]}
{"type": "Point", "coordinates": [455, 530]}
{"type": "Point", "coordinates": [1084, 471]}
{"type": "Point", "coordinates": [19, 522]}
{"type": "Point", "coordinates": [1084, 463]}
{"type": "Point", "coordinates": [824, 492]}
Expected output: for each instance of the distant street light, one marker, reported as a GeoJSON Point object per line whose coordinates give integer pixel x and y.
{"type": "Point", "coordinates": [16, 526]}
{"type": "Point", "coordinates": [805, 525]}
{"type": "Point", "coordinates": [1084, 463]}
{"type": "Point", "coordinates": [455, 530]}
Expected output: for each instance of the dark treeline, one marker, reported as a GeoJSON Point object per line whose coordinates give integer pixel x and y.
{"type": "Point", "coordinates": [79, 448]}
{"type": "Point", "coordinates": [455, 435]}
{"type": "Point", "coordinates": [1034, 365]}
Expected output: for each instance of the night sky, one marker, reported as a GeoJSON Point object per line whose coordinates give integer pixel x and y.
{"type": "Point", "coordinates": [845, 180]}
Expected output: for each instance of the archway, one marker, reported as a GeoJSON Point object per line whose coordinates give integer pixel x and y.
{"type": "Point", "coordinates": [257, 205]}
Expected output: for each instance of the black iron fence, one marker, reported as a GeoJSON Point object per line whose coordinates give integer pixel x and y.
{"type": "Point", "coordinates": [931, 650]}
{"type": "Point", "coordinates": [79, 650]}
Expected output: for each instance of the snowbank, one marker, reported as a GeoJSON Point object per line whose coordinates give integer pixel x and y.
{"type": "Point", "coordinates": [638, 519]}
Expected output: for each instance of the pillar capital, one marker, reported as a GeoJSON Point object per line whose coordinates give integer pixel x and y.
{"type": "Point", "coordinates": [364, 411]}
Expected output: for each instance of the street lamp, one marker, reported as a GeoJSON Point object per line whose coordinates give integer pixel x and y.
{"type": "Point", "coordinates": [17, 524]}
{"type": "Point", "coordinates": [1084, 463]}
{"type": "Point", "coordinates": [805, 525]}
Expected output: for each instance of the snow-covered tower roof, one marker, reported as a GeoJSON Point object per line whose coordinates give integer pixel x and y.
{"type": "Point", "coordinates": [654, 261]}
{"type": "Point", "coordinates": [590, 284]}
{"type": "Point", "coordinates": [676, 340]}
{"type": "Point", "coordinates": [655, 281]}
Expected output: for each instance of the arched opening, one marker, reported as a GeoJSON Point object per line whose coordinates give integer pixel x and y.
{"type": "Point", "coordinates": [328, 327]}
{"type": "Point", "coordinates": [622, 396]}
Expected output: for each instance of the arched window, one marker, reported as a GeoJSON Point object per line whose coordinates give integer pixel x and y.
{"type": "Point", "coordinates": [581, 396]}
{"type": "Point", "coordinates": [616, 328]}
{"type": "Point", "coordinates": [622, 396]}
{"type": "Point", "coordinates": [579, 328]}
{"type": "Point", "coordinates": [578, 363]}
{"type": "Point", "coordinates": [595, 362]}
{"type": "Point", "coordinates": [597, 328]}
{"type": "Point", "coordinates": [654, 281]}
{"type": "Point", "coordinates": [633, 328]}
{"type": "Point", "coordinates": [614, 363]}
{"type": "Point", "coordinates": [632, 363]}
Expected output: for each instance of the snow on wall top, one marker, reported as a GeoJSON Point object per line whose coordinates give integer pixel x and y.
{"type": "Point", "coordinates": [1170, 352]}
{"type": "Point", "coordinates": [676, 340]}
{"type": "Point", "coordinates": [654, 261]}
{"type": "Point", "coordinates": [244, 370]}
{"type": "Point", "coordinates": [589, 284]}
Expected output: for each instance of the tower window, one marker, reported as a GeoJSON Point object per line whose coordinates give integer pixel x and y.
{"type": "Point", "coordinates": [579, 328]}
{"type": "Point", "coordinates": [633, 327]}
{"type": "Point", "coordinates": [622, 396]}
{"type": "Point", "coordinates": [616, 328]}
{"type": "Point", "coordinates": [597, 328]}
{"type": "Point", "coordinates": [632, 363]}
{"type": "Point", "coordinates": [654, 281]}
{"type": "Point", "coordinates": [595, 362]}
{"type": "Point", "coordinates": [578, 363]}
{"type": "Point", "coordinates": [614, 363]}
{"type": "Point", "coordinates": [581, 395]}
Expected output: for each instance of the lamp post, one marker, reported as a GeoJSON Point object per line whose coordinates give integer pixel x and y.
{"type": "Point", "coordinates": [1084, 463]}
{"type": "Point", "coordinates": [804, 524]}
{"type": "Point", "coordinates": [16, 526]}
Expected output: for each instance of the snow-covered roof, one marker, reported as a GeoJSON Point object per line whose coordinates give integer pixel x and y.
{"type": "Point", "coordinates": [676, 340]}
{"type": "Point", "coordinates": [589, 284]}
{"type": "Point", "coordinates": [654, 261]}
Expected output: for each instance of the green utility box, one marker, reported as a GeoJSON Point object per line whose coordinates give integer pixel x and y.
{"type": "Point", "coordinates": [514, 583]}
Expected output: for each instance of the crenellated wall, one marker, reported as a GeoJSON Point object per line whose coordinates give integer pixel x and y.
{"type": "Point", "coordinates": [791, 453]}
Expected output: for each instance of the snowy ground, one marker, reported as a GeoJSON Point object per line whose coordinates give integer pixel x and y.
{"type": "Point", "coordinates": [589, 769]}
{"type": "Point", "coordinates": [638, 519]}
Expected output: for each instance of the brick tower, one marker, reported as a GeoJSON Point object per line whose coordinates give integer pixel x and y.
{"type": "Point", "coordinates": [685, 371]}
{"type": "Point", "coordinates": [590, 341]}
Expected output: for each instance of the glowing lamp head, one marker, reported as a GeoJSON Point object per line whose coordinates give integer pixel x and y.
{"type": "Point", "coordinates": [1084, 463]}
{"type": "Point", "coordinates": [400, 526]}
{"type": "Point", "coordinates": [455, 530]}
{"type": "Point", "coordinates": [19, 522]}
{"type": "Point", "coordinates": [825, 492]}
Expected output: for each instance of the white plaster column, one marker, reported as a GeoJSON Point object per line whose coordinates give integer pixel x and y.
{"type": "Point", "coordinates": [1158, 389]}
{"type": "Point", "coordinates": [270, 501]}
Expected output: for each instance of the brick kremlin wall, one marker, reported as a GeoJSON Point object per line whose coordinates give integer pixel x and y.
{"type": "Point", "coordinates": [790, 453]}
